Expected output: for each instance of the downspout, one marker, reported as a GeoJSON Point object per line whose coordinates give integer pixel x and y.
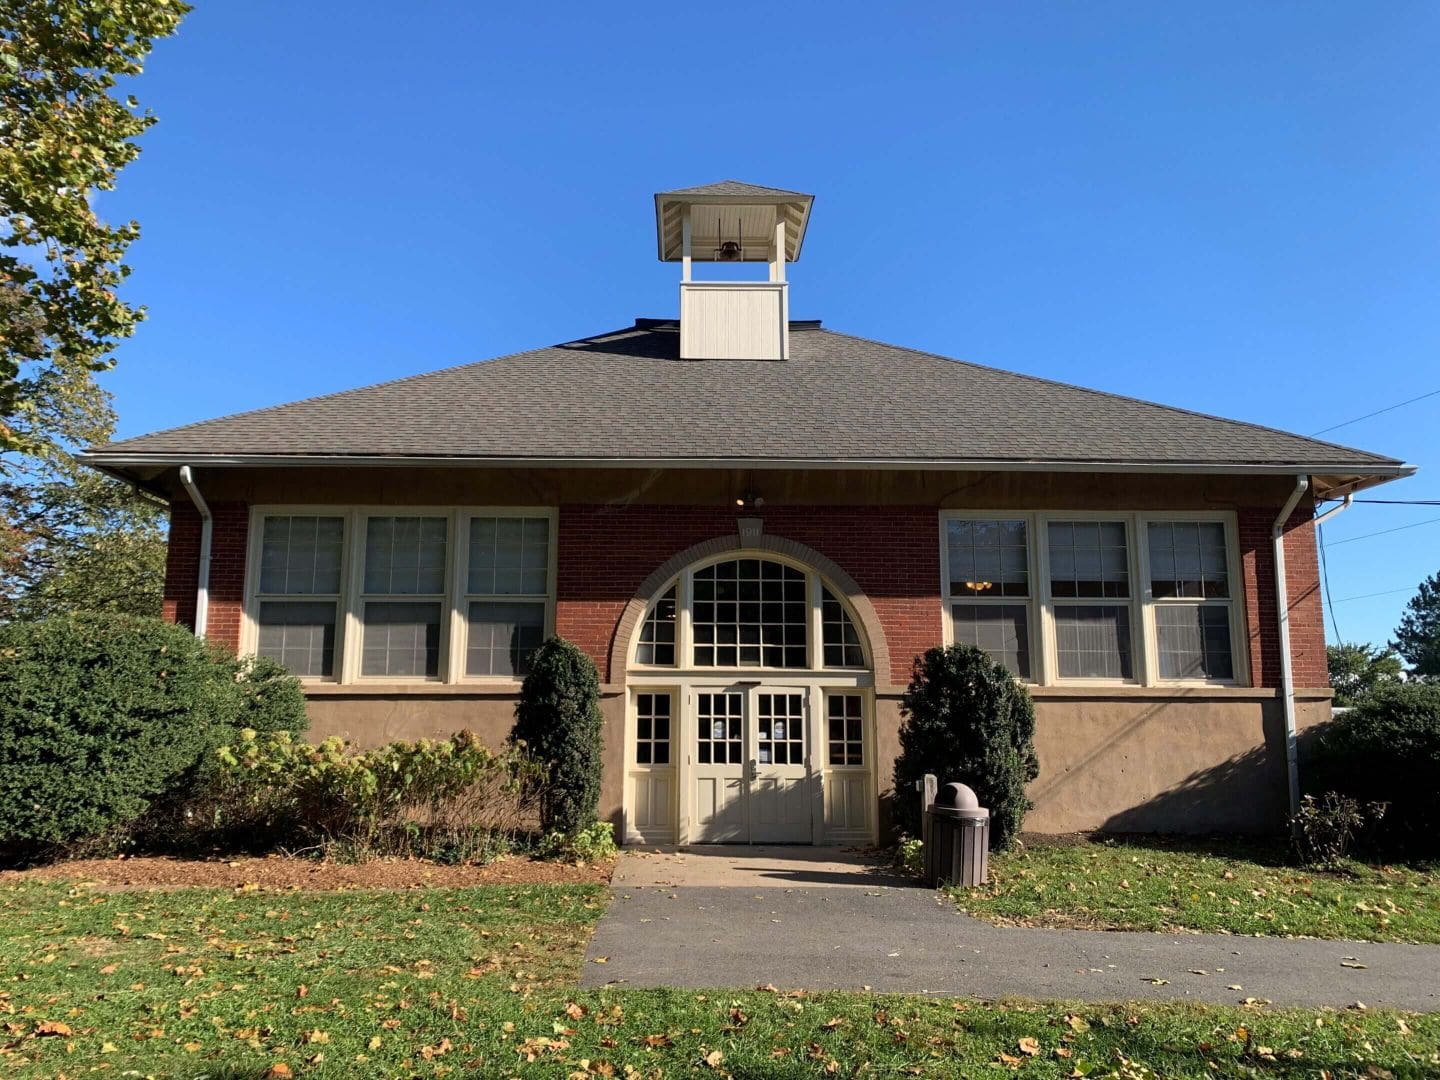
{"type": "Point", "coordinates": [207, 524]}
{"type": "Point", "coordinates": [1287, 673]}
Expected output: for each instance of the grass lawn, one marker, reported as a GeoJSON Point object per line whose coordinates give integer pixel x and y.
{"type": "Point", "coordinates": [1231, 887]}
{"type": "Point", "coordinates": [479, 982]}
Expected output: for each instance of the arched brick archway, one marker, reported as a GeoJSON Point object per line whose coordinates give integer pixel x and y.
{"type": "Point", "coordinates": [635, 608]}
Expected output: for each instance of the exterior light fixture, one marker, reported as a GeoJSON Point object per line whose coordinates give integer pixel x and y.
{"type": "Point", "coordinates": [750, 501]}
{"type": "Point", "coordinates": [729, 251]}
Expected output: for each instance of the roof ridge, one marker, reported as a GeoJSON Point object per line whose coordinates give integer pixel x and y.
{"type": "Point", "coordinates": [1113, 396]}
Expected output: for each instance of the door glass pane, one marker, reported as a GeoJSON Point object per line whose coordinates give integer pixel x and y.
{"type": "Point", "coordinates": [1194, 641]}
{"type": "Point", "coordinates": [843, 718]}
{"type": "Point", "coordinates": [405, 556]}
{"type": "Point", "coordinates": [1093, 641]}
{"type": "Point", "coordinates": [781, 726]}
{"type": "Point", "coordinates": [750, 613]}
{"type": "Point", "coordinates": [502, 637]}
{"type": "Point", "coordinates": [401, 639]}
{"type": "Point", "coordinates": [720, 738]}
{"type": "Point", "coordinates": [1000, 630]}
{"type": "Point", "coordinates": [300, 635]}
{"type": "Point", "coordinates": [652, 729]}
{"type": "Point", "coordinates": [988, 558]}
{"type": "Point", "coordinates": [1088, 559]}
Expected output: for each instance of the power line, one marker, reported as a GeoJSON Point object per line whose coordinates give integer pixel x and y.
{"type": "Point", "coordinates": [1377, 412]}
{"type": "Point", "coordinates": [1385, 532]}
{"type": "Point", "coordinates": [1368, 595]}
{"type": "Point", "coordinates": [1392, 502]}
{"type": "Point", "coordinates": [1325, 581]}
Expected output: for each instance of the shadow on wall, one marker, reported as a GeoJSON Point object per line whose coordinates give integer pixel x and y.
{"type": "Point", "coordinates": [1248, 793]}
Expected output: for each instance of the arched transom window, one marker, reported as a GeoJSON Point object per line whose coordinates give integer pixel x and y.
{"type": "Point", "coordinates": [749, 612]}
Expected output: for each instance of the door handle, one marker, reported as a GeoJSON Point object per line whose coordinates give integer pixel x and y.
{"type": "Point", "coordinates": [754, 769]}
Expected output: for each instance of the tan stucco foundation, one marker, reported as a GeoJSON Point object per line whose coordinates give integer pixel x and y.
{"type": "Point", "coordinates": [1118, 760]}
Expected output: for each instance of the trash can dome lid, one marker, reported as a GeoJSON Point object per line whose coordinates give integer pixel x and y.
{"type": "Point", "coordinates": [957, 797]}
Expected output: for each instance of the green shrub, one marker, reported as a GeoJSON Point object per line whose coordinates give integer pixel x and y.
{"type": "Point", "coordinates": [452, 799]}
{"type": "Point", "coordinates": [594, 843]}
{"type": "Point", "coordinates": [557, 719]}
{"type": "Point", "coordinates": [967, 719]}
{"type": "Point", "coordinates": [1387, 749]}
{"type": "Point", "coordinates": [271, 699]}
{"type": "Point", "coordinates": [103, 714]}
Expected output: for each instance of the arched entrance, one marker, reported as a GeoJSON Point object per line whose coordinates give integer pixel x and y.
{"type": "Point", "coordinates": [750, 702]}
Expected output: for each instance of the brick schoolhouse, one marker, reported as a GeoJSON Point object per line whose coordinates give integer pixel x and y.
{"type": "Point", "coordinates": [753, 525]}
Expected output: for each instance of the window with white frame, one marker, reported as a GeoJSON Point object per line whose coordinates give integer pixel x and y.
{"type": "Point", "coordinates": [1090, 595]}
{"type": "Point", "coordinates": [297, 592]}
{"type": "Point", "coordinates": [1191, 597]}
{"type": "Point", "coordinates": [403, 595]}
{"type": "Point", "coordinates": [988, 571]}
{"type": "Point", "coordinates": [657, 633]}
{"type": "Point", "coordinates": [750, 613]}
{"type": "Point", "coordinates": [426, 586]}
{"type": "Point", "coordinates": [506, 593]}
{"type": "Point", "coordinates": [1097, 625]}
{"type": "Point", "coordinates": [839, 640]}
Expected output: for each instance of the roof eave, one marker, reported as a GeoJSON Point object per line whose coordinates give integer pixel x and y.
{"type": "Point", "coordinates": [1352, 476]}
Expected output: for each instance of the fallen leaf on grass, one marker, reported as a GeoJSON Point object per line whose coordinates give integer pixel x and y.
{"type": "Point", "coordinates": [1029, 1046]}
{"type": "Point", "coordinates": [714, 1058]}
{"type": "Point", "coordinates": [1350, 963]}
{"type": "Point", "coordinates": [52, 1027]}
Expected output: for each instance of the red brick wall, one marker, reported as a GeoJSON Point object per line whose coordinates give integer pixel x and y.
{"type": "Point", "coordinates": [227, 568]}
{"type": "Point", "coordinates": [606, 552]}
{"type": "Point", "coordinates": [1302, 578]}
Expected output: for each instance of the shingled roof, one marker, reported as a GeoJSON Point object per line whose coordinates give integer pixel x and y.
{"type": "Point", "coordinates": [625, 397]}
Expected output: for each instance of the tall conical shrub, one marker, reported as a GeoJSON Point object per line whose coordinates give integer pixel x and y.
{"type": "Point", "coordinates": [967, 719]}
{"type": "Point", "coordinates": [558, 719]}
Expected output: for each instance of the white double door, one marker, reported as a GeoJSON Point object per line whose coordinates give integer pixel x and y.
{"type": "Point", "coordinates": [752, 778]}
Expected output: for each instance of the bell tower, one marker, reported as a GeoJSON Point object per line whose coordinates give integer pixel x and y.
{"type": "Point", "coordinates": [732, 222]}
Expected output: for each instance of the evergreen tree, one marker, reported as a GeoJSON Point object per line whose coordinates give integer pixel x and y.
{"type": "Point", "coordinates": [558, 719]}
{"type": "Point", "coordinates": [1417, 638]}
{"type": "Point", "coordinates": [967, 719]}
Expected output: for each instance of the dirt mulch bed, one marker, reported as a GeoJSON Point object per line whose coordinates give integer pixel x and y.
{"type": "Point", "coordinates": [287, 872]}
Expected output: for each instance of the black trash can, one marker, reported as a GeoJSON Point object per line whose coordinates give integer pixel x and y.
{"type": "Point", "coordinates": [958, 851]}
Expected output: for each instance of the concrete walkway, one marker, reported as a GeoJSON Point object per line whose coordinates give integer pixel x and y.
{"type": "Point", "coordinates": [834, 920]}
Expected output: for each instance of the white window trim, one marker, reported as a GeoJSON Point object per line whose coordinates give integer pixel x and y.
{"type": "Point", "coordinates": [1038, 673]}
{"type": "Point", "coordinates": [1239, 654]}
{"type": "Point", "coordinates": [454, 601]}
{"type": "Point", "coordinates": [1044, 661]}
{"type": "Point", "coordinates": [815, 586]}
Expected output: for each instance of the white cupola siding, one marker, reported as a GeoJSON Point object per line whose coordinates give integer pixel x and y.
{"type": "Point", "coordinates": [732, 222]}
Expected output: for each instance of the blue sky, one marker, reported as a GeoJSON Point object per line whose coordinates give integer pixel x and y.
{"type": "Point", "coordinates": [1229, 206]}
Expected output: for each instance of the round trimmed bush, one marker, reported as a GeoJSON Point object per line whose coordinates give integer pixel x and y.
{"type": "Point", "coordinates": [967, 719]}
{"type": "Point", "coordinates": [102, 715]}
{"type": "Point", "coordinates": [558, 720]}
{"type": "Point", "coordinates": [1386, 749]}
